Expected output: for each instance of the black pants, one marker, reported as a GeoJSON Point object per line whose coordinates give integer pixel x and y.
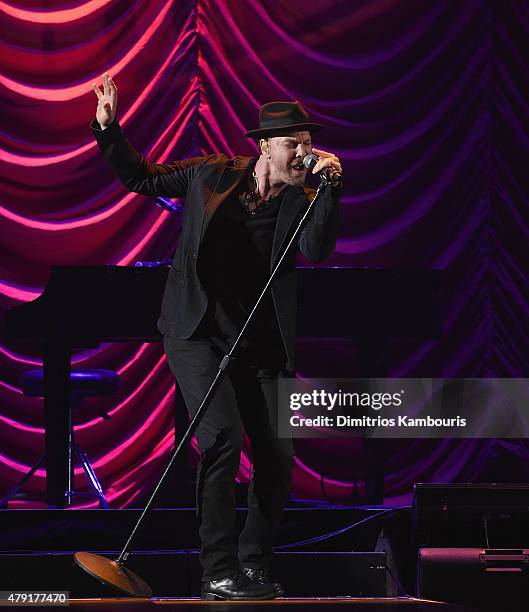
{"type": "Point", "coordinates": [247, 396]}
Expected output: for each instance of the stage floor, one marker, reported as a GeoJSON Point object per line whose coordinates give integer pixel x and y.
{"type": "Point", "coordinates": [319, 604]}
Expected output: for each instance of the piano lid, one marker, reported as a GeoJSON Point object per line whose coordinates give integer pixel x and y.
{"type": "Point", "coordinates": [118, 303]}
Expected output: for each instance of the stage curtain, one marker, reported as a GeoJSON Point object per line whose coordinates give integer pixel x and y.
{"type": "Point", "coordinates": [426, 104]}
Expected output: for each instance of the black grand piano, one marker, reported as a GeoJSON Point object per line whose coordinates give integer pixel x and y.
{"type": "Point", "coordinates": [82, 306]}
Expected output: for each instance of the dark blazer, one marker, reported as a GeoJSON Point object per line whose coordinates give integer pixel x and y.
{"type": "Point", "coordinates": [205, 182]}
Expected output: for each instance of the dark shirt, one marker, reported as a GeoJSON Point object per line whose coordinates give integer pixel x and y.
{"type": "Point", "coordinates": [233, 267]}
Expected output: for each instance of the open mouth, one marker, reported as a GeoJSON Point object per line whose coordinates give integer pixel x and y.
{"type": "Point", "coordinates": [298, 167]}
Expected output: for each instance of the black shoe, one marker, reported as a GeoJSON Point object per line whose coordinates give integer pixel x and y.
{"type": "Point", "coordinates": [237, 586]}
{"type": "Point", "coordinates": [261, 577]}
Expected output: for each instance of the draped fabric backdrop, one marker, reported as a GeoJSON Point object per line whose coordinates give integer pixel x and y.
{"type": "Point", "coordinates": [427, 106]}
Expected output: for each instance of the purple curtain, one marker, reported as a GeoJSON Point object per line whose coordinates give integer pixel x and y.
{"type": "Point", "coordinates": [427, 106]}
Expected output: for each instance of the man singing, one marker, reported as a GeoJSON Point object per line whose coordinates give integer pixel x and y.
{"type": "Point", "coordinates": [238, 215]}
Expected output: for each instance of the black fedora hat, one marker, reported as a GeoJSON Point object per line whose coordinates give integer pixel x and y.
{"type": "Point", "coordinates": [277, 117]}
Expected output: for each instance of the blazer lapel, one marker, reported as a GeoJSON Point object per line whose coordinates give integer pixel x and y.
{"type": "Point", "coordinates": [291, 205]}
{"type": "Point", "coordinates": [230, 177]}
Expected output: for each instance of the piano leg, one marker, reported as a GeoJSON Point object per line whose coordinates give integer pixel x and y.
{"type": "Point", "coordinates": [374, 357]}
{"type": "Point", "coordinates": [57, 366]}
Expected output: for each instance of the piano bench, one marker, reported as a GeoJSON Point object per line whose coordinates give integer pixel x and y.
{"type": "Point", "coordinates": [83, 383]}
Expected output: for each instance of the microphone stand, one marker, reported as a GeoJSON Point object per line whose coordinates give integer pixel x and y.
{"type": "Point", "coordinates": [113, 571]}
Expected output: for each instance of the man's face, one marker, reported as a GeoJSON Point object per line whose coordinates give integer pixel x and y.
{"type": "Point", "coordinates": [286, 157]}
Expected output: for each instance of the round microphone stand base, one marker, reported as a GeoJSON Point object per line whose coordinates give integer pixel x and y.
{"type": "Point", "coordinates": [113, 573]}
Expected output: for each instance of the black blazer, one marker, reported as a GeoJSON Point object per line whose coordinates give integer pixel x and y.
{"type": "Point", "coordinates": [205, 182]}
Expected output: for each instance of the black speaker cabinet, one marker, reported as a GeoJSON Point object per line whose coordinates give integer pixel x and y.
{"type": "Point", "coordinates": [489, 579]}
{"type": "Point", "coordinates": [471, 515]}
{"type": "Point", "coordinates": [473, 544]}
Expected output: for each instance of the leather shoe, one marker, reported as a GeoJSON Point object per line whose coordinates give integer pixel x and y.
{"type": "Point", "coordinates": [261, 577]}
{"type": "Point", "coordinates": [238, 587]}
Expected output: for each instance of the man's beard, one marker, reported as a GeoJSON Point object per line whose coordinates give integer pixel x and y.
{"type": "Point", "coordinates": [293, 177]}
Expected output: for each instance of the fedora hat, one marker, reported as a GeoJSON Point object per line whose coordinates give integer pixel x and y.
{"type": "Point", "coordinates": [279, 117]}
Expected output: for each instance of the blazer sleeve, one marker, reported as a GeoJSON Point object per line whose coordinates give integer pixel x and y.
{"type": "Point", "coordinates": [137, 173]}
{"type": "Point", "coordinates": [318, 238]}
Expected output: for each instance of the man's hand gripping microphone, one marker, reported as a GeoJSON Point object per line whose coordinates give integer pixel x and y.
{"type": "Point", "coordinates": [328, 174]}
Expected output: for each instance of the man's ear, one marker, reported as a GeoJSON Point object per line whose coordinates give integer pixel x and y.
{"type": "Point", "coordinates": [264, 145]}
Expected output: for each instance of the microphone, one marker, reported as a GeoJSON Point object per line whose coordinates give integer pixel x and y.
{"type": "Point", "coordinates": [328, 174]}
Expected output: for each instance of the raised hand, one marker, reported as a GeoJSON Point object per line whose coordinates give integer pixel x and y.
{"type": "Point", "coordinates": [107, 101]}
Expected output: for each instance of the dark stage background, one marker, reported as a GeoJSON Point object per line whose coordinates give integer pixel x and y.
{"type": "Point", "coordinates": [427, 104]}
